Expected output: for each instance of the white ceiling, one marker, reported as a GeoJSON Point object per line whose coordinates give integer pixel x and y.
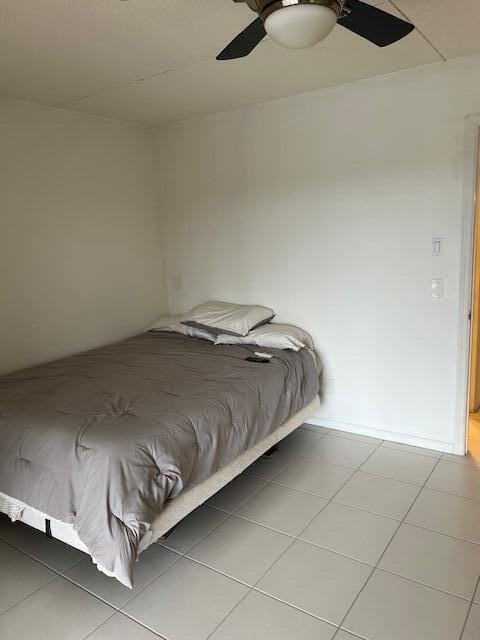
{"type": "Point", "coordinates": [153, 61]}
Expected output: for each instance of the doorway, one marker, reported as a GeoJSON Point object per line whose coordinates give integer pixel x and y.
{"type": "Point", "coordinates": [473, 428]}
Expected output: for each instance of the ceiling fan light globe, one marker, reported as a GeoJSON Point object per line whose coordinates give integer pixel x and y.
{"type": "Point", "coordinates": [300, 26]}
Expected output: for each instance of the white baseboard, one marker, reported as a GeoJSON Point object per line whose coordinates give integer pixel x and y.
{"type": "Point", "coordinates": [391, 436]}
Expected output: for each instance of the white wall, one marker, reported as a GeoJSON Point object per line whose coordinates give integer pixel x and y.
{"type": "Point", "coordinates": [323, 206]}
{"type": "Point", "coordinates": [79, 236]}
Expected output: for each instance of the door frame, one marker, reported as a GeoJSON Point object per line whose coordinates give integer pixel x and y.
{"type": "Point", "coordinates": [466, 290]}
{"type": "Point", "coordinates": [474, 317]}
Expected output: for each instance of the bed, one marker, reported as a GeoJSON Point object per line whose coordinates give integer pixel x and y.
{"type": "Point", "coordinates": [109, 449]}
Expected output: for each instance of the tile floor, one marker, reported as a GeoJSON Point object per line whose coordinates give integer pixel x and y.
{"type": "Point", "coordinates": [335, 537]}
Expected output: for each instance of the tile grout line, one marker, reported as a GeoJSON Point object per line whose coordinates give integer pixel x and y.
{"type": "Point", "coordinates": [441, 533]}
{"type": "Point", "coordinates": [202, 538]}
{"type": "Point", "coordinates": [45, 564]}
{"type": "Point", "coordinates": [472, 602]}
{"type": "Point", "coordinates": [424, 584]}
{"type": "Point", "coordinates": [385, 550]}
{"type": "Point", "coordinates": [115, 609]}
{"type": "Point", "coordinates": [141, 624]}
{"type": "Point", "coordinates": [351, 506]}
{"type": "Point", "coordinates": [359, 469]}
{"type": "Point", "coordinates": [59, 575]}
{"type": "Point", "coordinates": [297, 608]}
{"type": "Point", "coordinates": [390, 444]}
{"type": "Point", "coordinates": [332, 551]}
{"type": "Point", "coordinates": [208, 504]}
{"type": "Point", "coordinates": [378, 475]}
{"type": "Point", "coordinates": [253, 588]}
{"type": "Point", "coordinates": [55, 577]}
{"type": "Point", "coordinates": [464, 464]}
{"type": "Point", "coordinates": [100, 625]}
{"type": "Point", "coordinates": [344, 555]}
{"type": "Point", "coordinates": [450, 493]}
{"type": "Point", "coordinates": [335, 464]}
{"type": "Point", "coordinates": [294, 455]}
{"type": "Point", "coordinates": [369, 473]}
{"type": "Point", "coordinates": [119, 608]}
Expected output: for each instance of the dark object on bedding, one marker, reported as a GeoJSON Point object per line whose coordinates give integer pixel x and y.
{"type": "Point", "coordinates": [102, 439]}
{"type": "Point", "coordinates": [258, 359]}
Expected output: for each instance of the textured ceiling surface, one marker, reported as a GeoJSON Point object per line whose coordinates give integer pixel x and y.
{"type": "Point", "coordinates": [153, 61]}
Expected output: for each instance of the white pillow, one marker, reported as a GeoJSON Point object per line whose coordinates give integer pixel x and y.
{"type": "Point", "coordinates": [227, 318]}
{"type": "Point", "coordinates": [272, 336]}
{"type": "Point", "coordinates": [173, 325]}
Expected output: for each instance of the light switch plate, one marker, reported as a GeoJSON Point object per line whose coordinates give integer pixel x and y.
{"type": "Point", "coordinates": [437, 288]}
{"type": "Point", "coordinates": [437, 246]}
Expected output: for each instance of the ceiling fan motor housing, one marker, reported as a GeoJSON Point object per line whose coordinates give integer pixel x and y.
{"type": "Point", "coordinates": [266, 7]}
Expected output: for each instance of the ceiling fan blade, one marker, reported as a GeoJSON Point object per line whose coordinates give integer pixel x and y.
{"type": "Point", "coordinates": [375, 25]}
{"type": "Point", "coordinates": [245, 42]}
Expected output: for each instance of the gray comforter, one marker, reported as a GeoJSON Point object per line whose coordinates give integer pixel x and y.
{"type": "Point", "coordinates": [102, 439]}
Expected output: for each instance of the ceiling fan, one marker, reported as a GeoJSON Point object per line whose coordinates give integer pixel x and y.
{"type": "Point", "coordinates": [298, 24]}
